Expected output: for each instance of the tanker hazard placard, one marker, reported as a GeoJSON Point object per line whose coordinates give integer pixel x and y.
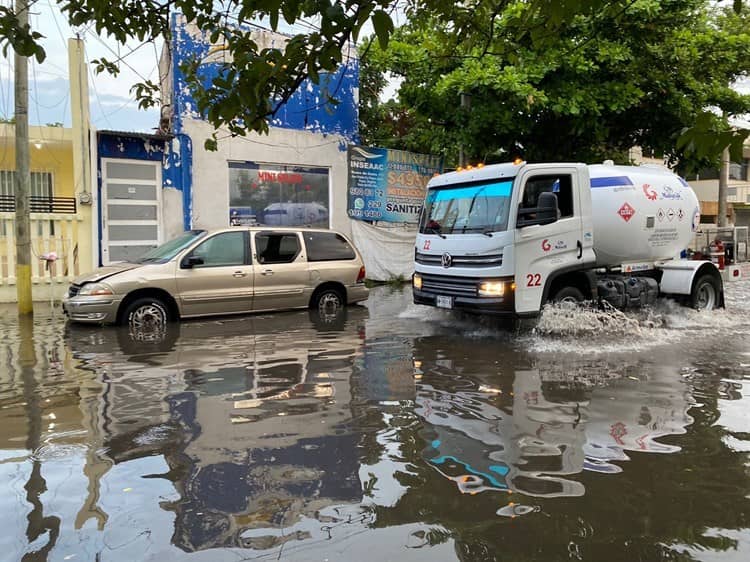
{"type": "Point", "coordinates": [388, 185]}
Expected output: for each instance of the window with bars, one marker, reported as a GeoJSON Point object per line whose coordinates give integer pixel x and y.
{"type": "Point", "coordinates": [41, 183]}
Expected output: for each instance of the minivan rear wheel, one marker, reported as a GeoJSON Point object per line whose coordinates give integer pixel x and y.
{"type": "Point", "coordinates": [328, 299]}
{"type": "Point", "coordinates": [147, 313]}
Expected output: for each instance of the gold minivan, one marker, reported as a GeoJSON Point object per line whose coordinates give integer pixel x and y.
{"type": "Point", "coordinates": [229, 271]}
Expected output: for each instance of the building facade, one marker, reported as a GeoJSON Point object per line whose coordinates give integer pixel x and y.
{"type": "Point", "coordinates": [61, 213]}
{"type": "Point", "coordinates": [295, 175]}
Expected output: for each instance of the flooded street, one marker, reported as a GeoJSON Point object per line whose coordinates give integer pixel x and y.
{"type": "Point", "coordinates": [394, 432]}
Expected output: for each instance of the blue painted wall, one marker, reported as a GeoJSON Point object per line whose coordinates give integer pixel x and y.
{"type": "Point", "coordinates": [308, 109]}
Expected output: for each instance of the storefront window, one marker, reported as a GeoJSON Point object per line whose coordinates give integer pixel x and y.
{"type": "Point", "coordinates": [274, 195]}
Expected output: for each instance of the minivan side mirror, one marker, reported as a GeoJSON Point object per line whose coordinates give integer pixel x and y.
{"type": "Point", "coordinates": [191, 261]}
{"type": "Point", "coordinates": [545, 212]}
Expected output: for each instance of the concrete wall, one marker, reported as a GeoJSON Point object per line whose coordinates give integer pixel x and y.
{"type": "Point", "coordinates": [210, 187]}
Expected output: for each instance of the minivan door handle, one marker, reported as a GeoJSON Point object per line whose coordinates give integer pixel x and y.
{"type": "Point", "coordinates": [239, 274]}
{"type": "Point", "coordinates": [267, 272]}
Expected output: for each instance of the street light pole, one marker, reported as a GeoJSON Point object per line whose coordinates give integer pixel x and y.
{"type": "Point", "coordinates": [22, 176]}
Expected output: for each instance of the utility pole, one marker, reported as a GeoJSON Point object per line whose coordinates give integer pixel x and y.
{"type": "Point", "coordinates": [22, 176]}
{"type": "Point", "coordinates": [721, 219]}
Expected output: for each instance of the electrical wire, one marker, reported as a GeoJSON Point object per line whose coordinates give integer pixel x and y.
{"type": "Point", "coordinates": [45, 144]}
{"type": "Point", "coordinates": [120, 59]}
{"type": "Point", "coordinates": [96, 92]}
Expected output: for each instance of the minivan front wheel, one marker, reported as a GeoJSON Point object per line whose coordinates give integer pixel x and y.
{"type": "Point", "coordinates": [328, 300]}
{"type": "Point", "coordinates": [148, 313]}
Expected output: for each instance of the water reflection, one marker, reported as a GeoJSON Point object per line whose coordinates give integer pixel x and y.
{"type": "Point", "coordinates": [527, 430]}
{"type": "Point", "coordinates": [298, 437]}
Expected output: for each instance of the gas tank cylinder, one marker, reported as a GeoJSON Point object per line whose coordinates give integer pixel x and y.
{"type": "Point", "coordinates": [640, 213]}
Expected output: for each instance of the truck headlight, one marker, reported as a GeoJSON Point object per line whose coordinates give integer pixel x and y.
{"type": "Point", "coordinates": [491, 288]}
{"type": "Point", "coordinates": [417, 281]}
{"type": "Point", "coordinates": [95, 290]}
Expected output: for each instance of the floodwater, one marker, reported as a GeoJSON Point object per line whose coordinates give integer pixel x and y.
{"type": "Point", "coordinates": [393, 432]}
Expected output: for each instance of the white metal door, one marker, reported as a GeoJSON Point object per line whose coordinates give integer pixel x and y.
{"type": "Point", "coordinates": [131, 208]}
{"type": "Point", "coordinates": [542, 250]}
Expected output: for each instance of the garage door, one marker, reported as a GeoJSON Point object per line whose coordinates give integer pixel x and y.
{"type": "Point", "coordinates": [131, 207]}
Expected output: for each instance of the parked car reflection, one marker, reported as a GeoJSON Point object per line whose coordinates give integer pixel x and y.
{"type": "Point", "coordinates": [251, 416]}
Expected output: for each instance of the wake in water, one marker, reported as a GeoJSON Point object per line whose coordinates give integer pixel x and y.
{"type": "Point", "coordinates": [575, 329]}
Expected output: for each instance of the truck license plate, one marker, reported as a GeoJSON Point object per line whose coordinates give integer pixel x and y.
{"type": "Point", "coordinates": [444, 302]}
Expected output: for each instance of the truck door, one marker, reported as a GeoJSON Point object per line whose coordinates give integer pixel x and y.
{"type": "Point", "coordinates": [543, 250]}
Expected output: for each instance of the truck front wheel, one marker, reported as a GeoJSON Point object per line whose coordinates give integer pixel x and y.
{"type": "Point", "coordinates": [705, 294]}
{"type": "Point", "coordinates": [568, 294]}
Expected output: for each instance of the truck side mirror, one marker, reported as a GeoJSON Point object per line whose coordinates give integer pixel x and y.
{"type": "Point", "coordinates": [545, 212]}
{"type": "Point", "coordinates": [547, 209]}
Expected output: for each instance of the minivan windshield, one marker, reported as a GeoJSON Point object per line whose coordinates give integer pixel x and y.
{"type": "Point", "coordinates": [467, 208]}
{"type": "Point", "coordinates": [168, 250]}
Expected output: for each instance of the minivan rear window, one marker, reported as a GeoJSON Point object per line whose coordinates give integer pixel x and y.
{"type": "Point", "coordinates": [327, 246]}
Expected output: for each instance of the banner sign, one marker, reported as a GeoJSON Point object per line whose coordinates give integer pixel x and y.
{"type": "Point", "coordinates": [388, 185]}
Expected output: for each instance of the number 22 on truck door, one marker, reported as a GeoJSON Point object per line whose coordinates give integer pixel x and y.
{"type": "Point", "coordinates": [533, 280]}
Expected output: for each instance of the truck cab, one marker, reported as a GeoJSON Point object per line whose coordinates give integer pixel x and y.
{"type": "Point", "coordinates": [498, 239]}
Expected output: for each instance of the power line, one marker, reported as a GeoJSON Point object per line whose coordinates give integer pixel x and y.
{"type": "Point", "coordinates": [39, 117]}
{"type": "Point", "coordinates": [2, 96]}
{"type": "Point", "coordinates": [96, 92]}
{"type": "Point", "coordinates": [121, 58]}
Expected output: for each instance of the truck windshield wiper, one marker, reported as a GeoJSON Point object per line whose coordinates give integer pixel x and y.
{"type": "Point", "coordinates": [487, 233]}
{"type": "Point", "coordinates": [433, 231]}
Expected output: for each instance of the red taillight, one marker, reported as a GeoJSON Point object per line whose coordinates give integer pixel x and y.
{"type": "Point", "coordinates": [361, 275]}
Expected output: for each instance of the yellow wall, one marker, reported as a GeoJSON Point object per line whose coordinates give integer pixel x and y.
{"type": "Point", "coordinates": [73, 237]}
{"type": "Point", "coordinates": [55, 154]}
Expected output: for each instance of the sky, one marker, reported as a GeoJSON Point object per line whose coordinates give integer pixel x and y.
{"type": "Point", "coordinates": [111, 105]}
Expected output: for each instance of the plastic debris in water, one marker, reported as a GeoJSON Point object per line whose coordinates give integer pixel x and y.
{"type": "Point", "coordinates": [515, 509]}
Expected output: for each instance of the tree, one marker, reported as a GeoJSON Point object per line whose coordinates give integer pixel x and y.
{"type": "Point", "coordinates": [255, 82]}
{"type": "Point", "coordinates": [634, 74]}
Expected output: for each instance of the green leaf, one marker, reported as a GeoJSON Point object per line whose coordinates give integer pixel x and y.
{"type": "Point", "coordinates": [383, 26]}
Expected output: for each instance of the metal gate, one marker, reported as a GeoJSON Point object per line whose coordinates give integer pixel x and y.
{"type": "Point", "coordinates": [130, 210]}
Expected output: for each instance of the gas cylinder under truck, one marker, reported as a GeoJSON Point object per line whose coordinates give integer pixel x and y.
{"type": "Point", "coordinates": [506, 239]}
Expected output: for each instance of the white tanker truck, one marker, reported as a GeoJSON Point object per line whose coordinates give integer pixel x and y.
{"type": "Point", "coordinates": [505, 239]}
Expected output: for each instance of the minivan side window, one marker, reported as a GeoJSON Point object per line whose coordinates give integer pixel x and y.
{"type": "Point", "coordinates": [227, 248]}
{"type": "Point", "coordinates": [327, 246]}
{"type": "Point", "coordinates": [277, 247]}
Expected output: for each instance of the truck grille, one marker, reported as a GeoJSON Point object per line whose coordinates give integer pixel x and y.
{"type": "Point", "coordinates": [493, 260]}
{"type": "Point", "coordinates": [449, 285]}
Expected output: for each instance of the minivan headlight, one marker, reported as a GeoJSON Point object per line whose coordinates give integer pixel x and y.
{"type": "Point", "coordinates": [491, 289]}
{"type": "Point", "coordinates": [95, 290]}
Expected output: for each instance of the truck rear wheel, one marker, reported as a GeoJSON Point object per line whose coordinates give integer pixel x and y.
{"type": "Point", "coordinates": [705, 294]}
{"type": "Point", "coordinates": [568, 294]}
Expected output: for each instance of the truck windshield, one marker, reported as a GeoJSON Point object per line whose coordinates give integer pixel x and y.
{"type": "Point", "coordinates": [467, 208]}
{"type": "Point", "coordinates": [168, 250]}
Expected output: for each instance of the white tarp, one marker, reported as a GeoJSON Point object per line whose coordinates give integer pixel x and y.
{"type": "Point", "coordinates": [388, 250]}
